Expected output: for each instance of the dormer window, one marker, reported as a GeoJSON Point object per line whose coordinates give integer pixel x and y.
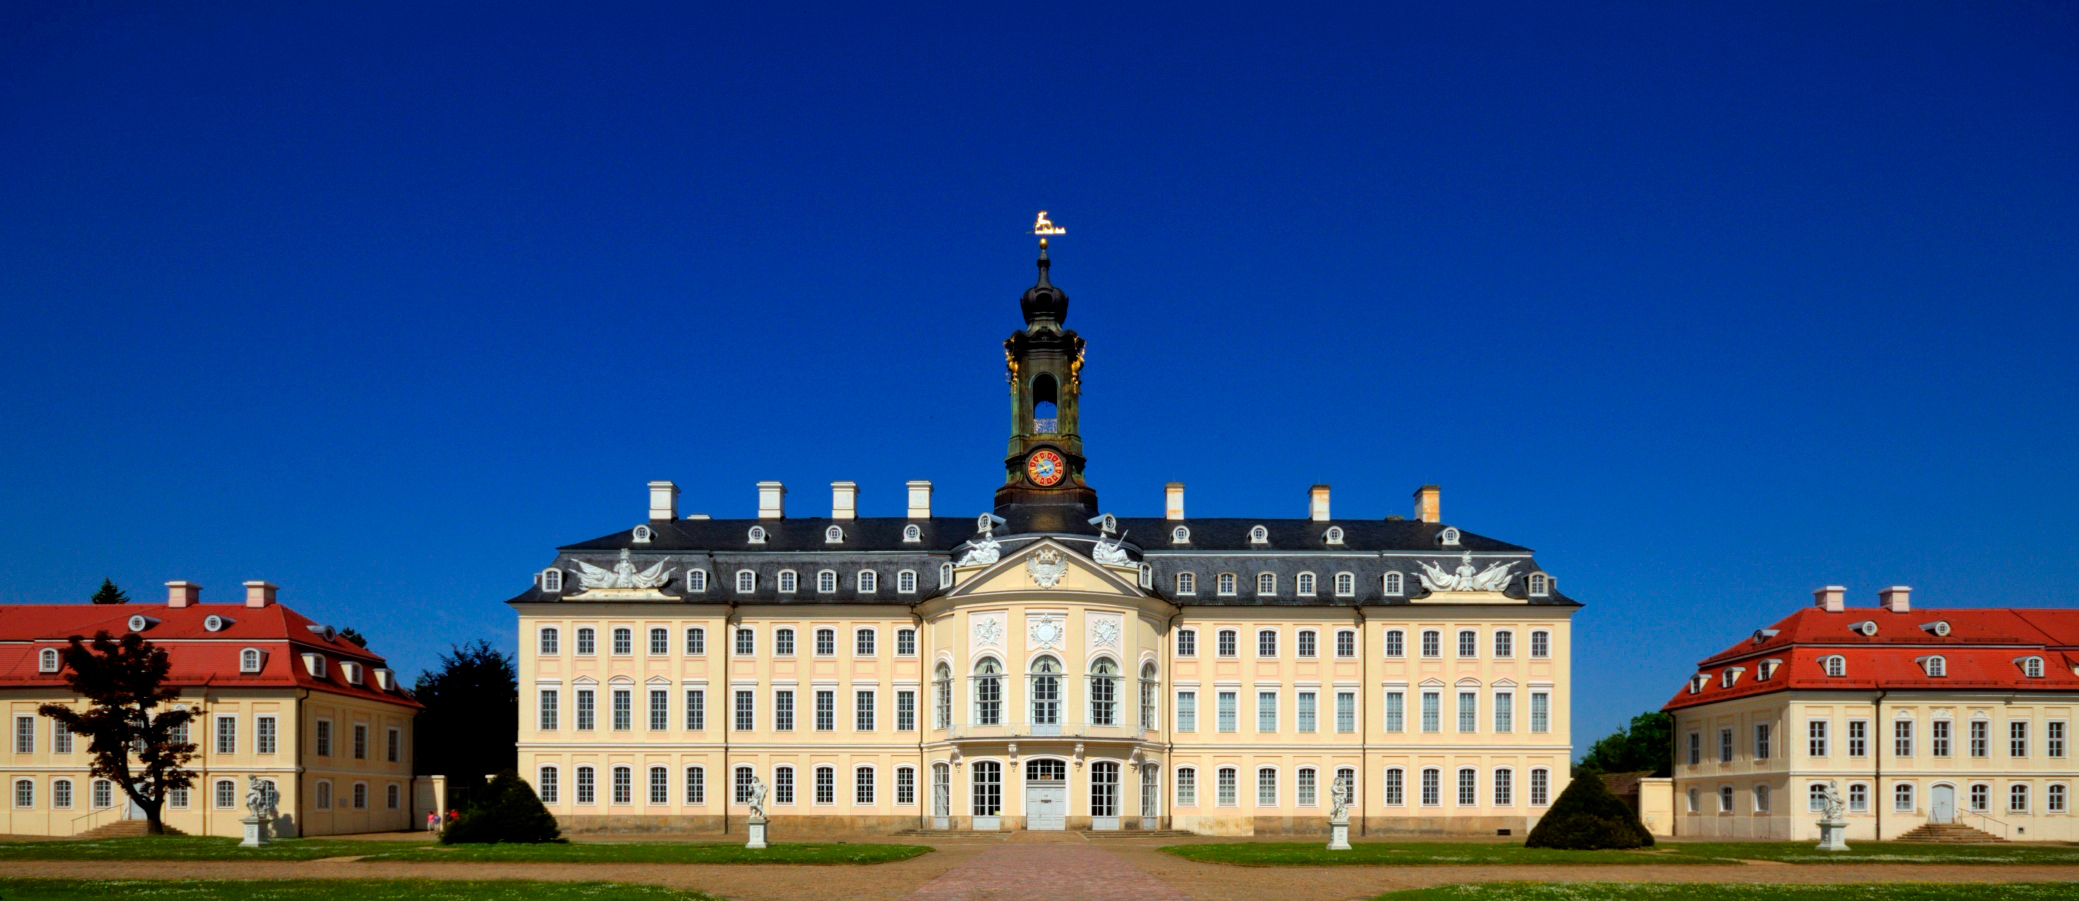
{"type": "Point", "coordinates": [757, 535]}
{"type": "Point", "coordinates": [1266, 584]}
{"type": "Point", "coordinates": [906, 582]}
{"type": "Point", "coordinates": [1935, 667]}
{"type": "Point", "coordinates": [215, 623]}
{"type": "Point", "coordinates": [250, 659]}
{"type": "Point", "coordinates": [1836, 666]}
{"type": "Point", "coordinates": [788, 581]}
{"type": "Point", "coordinates": [314, 664]}
{"type": "Point", "coordinates": [1448, 537]}
{"type": "Point", "coordinates": [746, 581]}
{"type": "Point", "coordinates": [1345, 585]}
{"type": "Point", "coordinates": [911, 534]}
{"type": "Point", "coordinates": [1538, 585]}
{"type": "Point", "coordinates": [1303, 585]}
{"type": "Point", "coordinates": [1938, 628]}
{"type": "Point", "coordinates": [1334, 536]}
{"type": "Point", "coordinates": [1730, 677]}
{"type": "Point", "coordinates": [1187, 583]}
{"type": "Point", "coordinates": [1147, 576]}
{"type": "Point", "coordinates": [1180, 535]}
{"type": "Point", "coordinates": [945, 575]}
{"type": "Point", "coordinates": [696, 580]}
{"type": "Point", "coordinates": [552, 581]}
{"type": "Point", "coordinates": [1698, 681]}
{"type": "Point", "coordinates": [1766, 669]}
{"type": "Point", "coordinates": [1226, 585]}
{"type": "Point", "coordinates": [1761, 635]}
{"type": "Point", "coordinates": [2031, 667]}
{"type": "Point", "coordinates": [1394, 583]}
{"type": "Point", "coordinates": [47, 660]}
{"type": "Point", "coordinates": [833, 535]}
{"type": "Point", "coordinates": [1259, 535]}
{"type": "Point", "coordinates": [351, 672]}
{"type": "Point", "coordinates": [140, 622]}
{"type": "Point", "coordinates": [1866, 629]}
{"type": "Point", "coordinates": [869, 581]}
{"type": "Point", "coordinates": [826, 581]}
{"type": "Point", "coordinates": [643, 535]}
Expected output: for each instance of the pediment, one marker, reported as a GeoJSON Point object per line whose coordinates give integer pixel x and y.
{"type": "Point", "coordinates": [1030, 569]}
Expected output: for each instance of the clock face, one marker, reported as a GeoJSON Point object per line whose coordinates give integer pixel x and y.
{"type": "Point", "coordinates": [1045, 468]}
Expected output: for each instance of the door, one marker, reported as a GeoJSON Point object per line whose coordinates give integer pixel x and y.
{"type": "Point", "coordinates": [1046, 806]}
{"type": "Point", "coordinates": [1941, 807]}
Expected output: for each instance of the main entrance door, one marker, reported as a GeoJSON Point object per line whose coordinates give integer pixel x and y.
{"type": "Point", "coordinates": [1046, 795]}
{"type": "Point", "coordinates": [1941, 807]}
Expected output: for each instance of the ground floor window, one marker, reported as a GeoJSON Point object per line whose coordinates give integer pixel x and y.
{"type": "Point", "coordinates": [941, 790]}
{"type": "Point", "coordinates": [1394, 796]}
{"type": "Point", "coordinates": [862, 786]}
{"type": "Point", "coordinates": [1815, 798]}
{"type": "Point", "coordinates": [1540, 788]}
{"type": "Point", "coordinates": [178, 798]}
{"type": "Point", "coordinates": [1304, 784]}
{"type": "Point", "coordinates": [1266, 787]}
{"type": "Point", "coordinates": [826, 785]}
{"type": "Point", "coordinates": [545, 785]}
{"type": "Point", "coordinates": [905, 786]}
{"type": "Point", "coordinates": [744, 778]}
{"type": "Point", "coordinates": [2054, 799]}
{"type": "Point", "coordinates": [1504, 788]}
{"type": "Point", "coordinates": [660, 785]}
{"type": "Point", "coordinates": [1981, 797]}
{"type": "Point", "coordinates": [1468, 788]}
{"type": "Point", "coordinates": [24, 793]}
{"type": "Point", "coordinates": [1858, 797]}
{"type": "Point", "coordinates": [1187, 787]}
{"type": "Point", "coordinates": [1104, 789]}
{"type": "Point", "coordinates": [586, 787]}
{"type": "Point", "coordinates": [988, 788]}
{"type": "Point", "coordinates": [1902, 798]}
{"type": "Point", "coordinates": [1224, 786]}
{"type": "Point", "coordinates": [2017, 799]}
{"type": "Point", "coordinates": [1432, 787]}
{"type": "Point", "coordinates": [1151, 791]}
{"type": "Point", "coordinates": [696, 785]}
{"type": "Point", "coordinates": [61, 794]}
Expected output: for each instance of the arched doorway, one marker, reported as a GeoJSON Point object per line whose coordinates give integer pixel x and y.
{"type": "Point", "coordinates": [1046, 794]}
{"type": "Point", "coordinates": [1941, 804]}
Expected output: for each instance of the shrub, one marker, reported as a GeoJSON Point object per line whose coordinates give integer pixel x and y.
{"type": "Point", "coordinates": [504, 811]}
{"type": "Point", "coordinates": [1586, 818]}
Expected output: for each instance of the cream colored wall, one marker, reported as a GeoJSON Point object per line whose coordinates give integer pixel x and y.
{"type": "Point", "coordinates": [342, 770]}
{"type": "Point", "coordinates": [201, 815]}
{"type": "Point", "coordinates": [1790, 776]}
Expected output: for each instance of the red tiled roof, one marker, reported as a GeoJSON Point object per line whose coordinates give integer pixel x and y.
{"type": "Point", "coordinates": [1980, 652]}
{"type": "Point", "coordinates": [200, 658]}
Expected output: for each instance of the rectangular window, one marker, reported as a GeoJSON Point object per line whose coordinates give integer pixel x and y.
{"type": "Point", "coordinates": [2017, 739]}
{"type": "Point", "coordinates": [1540, 788]}
{"type": "Point", "coordinates": [1395, 713]}
{"type": "Point", "coordinates": [1540, 712]}
{"type": "Point", "coordinates": [1266, 711]}
{"type": "Point", "coordinates": [1696, 749]}
{"type": "Point", "coordinates": [905, 711]}
{"type": "Point", "coordinates": [696, 646]}
{"type": "Point", "coordinates": [227, 735]}
{"type": "Point", "coordinates": [660, 645]}
{"type": "Point", "coordinates": [624, 710]}
{"type": "Point", "coordinates": [1346, 711]}
{"type": "Point", "coordinates": [660, 711]}
{"type": "Point", "coordinates": [322, 741]}
{"type": "Point", "coordinates": [783, 785]}
{"type": "Point", "coordinates": [1468, 644]}
{"type": "Point", "coordinates": [1306, 711]}
{"type": "Point", "coordinates": [1815, 738]}
{"type": "Point", "coordinates": [1227, 711]}
{"type": "Point", "coordinates": [1306, 644]}
{"type": "Point", "coordinates": [25, 735]}
{"type": "Point", "coordinates": [1225, 787]}
{"type": "Point", "coordinates": [1504, 646]}
{"type": "Point", "coordinates": [746, 642]}
{"type": "Point", "coordinates": [1432, 711]}
{"type": "Point", "coordinates": [826, 642]}
{"type": "Point", "coordinates": [826, 711]}
{"type": "Point", "coordinates": [906, 646]}
{"type": "Point", "coordinates": [546, 718]}
{"type": "Point", "coordinates": [862, 786]}
{"type": "Point", "coordinates": [1266, 788]}
{"type": "Point", "coordinates": [1432, 644]}
{"type": "Point", "coordinates": [862, 711]}
{"type": "Point", "coordinates": [1395, 795]}
{"type": "Point", "coordinates": [1187, 711]}
{"type": "Point", "coordinates": [1468, 711]}
{"type": "Point", "coordinates": [394, 751]}
{"type": "Point", "coordinates": [1978, 738]}
{"type": "Point", "coordinates": [1346, 644]}
{"type": "Point", "coordinates": [696, 710]}
{"type": "Point", "coordinates": [263, 735]}
{"type": "Point", "coordinates": [1187, 643]}
{"type": "Point", "coordinates": [623, 789]}
{"type": "Point", "coordinates": [783, 643]}
{"type": "Point", "coordinates": [1504, 712]}
{"type": "Point", "coordinates": [863, 646]}
{"type": "Point", "coordinates": [1540, 644]}
{"type": "Point", "coordinates": [1187, 787]}
{"type": "Point", "coordinates": [1395, 644]}
{"type": "Point", "coordinates": [1858, 738]}
{"type": "Point", "coordinates": [1761, 741]}
{"type": "Point", "coordinates": [660, 785]}
{"type": "Point", "coordinates": [1938, 738]}
{"type": "Point", "coordinates": [1725, 746]}
{"type": "Point", "coordinates": [2054, 739]}
{"type": "Point", "coordinates": [1227, 643]}
{"type": "Point", "coordinates": [585, 716]}
{"type": "Point", "coordinates": [905, 786]}
{"type": "Point", "coordinates": [783, 710]}
{"type": "Point", "coordinates": [746, 710]}
{"type": "Point", "coordinates": [360, 741]}
{"type": "Point", "coordinates": [61, 738]}
{"type": "Point", "coordinates": [1902, 738]}
{"type": "Point", "coordinates": [1432, 788]}
{"type": "Point", "coordinates": [1468, 788]}
{"type": "Point", "coordinates": [826, 785]}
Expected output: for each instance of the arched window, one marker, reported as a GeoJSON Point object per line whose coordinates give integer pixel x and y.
{"type": "Point", "coordinates": [1902, 798]}
{"type": "Point", "coordinates": [545, 786]}
{"type": "Point", "coordinates": [1334, 535]}
{"type": "Point", "coordinates": [911, 534]}
{"type": "Point", "coordinates": [1267, 584]}
{"type": "Point", "coordinates": [1761, 799]}
{"type": "Point", "coordinates": [1303, 784]}
{"type": "Point", "coordinates": [906, 582]}
{"type": "Point", "coordinates": [2054, 799]}
{"type": "Point", "coordinates": [869, 581]}
{"type": "Point", "coordinates": [1224, 786]}
{"type": "Point", "coordinates": [1046, 417]}
{"type": "Point", "coordinates": [696, 580]}
{"type": "Point", "coordinates": [826, 642]}
{"type": "Point", "coordinates": [1468, 643]}
{"type": "Point", "coordinates": [863, 786]}
{"type": "Point", "coordinates": [826, 581]}
{"type": "Point", "coordinates": [549, 640]}
{"type": "Point", "coordinates": [47, 660]}
{"type": "Point", "coordinates": [1396, 788]}
{"type": "Point", "coordinates": [1504, 644]}
{"type": "Point", "coordinates": [783, 785]}
{"type": "Point", "coordinates": [660, 785]}
{"type": "Point", "coordinates": [1303, 585]}
{"type": "Point", "coordinates": [1267, 643]}
{"type": "Point", "coordinates": [61, 794]}
{"type": "Point", "coordinates": [1432, 787]}
{"type": "Point", "coordinates": [2017, 798]}
{"type": "Point", "coordinates": [1226, 585]}
{"type": "Point", "coordinates": [642, 534]}
{"type": "Point", "coordinates": [1147, 576]}
{"type": "Point", "coordinates": [624, 642]}
{"type": "Point", "coordinates": [864, 643]}
{"type": "Point", "coordinates": [783, 642]}
{"type": "Point", "coordinates": [988, 692]}
{"type": "Point", "coordinates": [833, 535]}
{"type": "Point", "coordinates": [1393, 585]}
{"type": "Point", "coordinates": [1104, 692]}
{"type": "Point", "coordinates": [227, 794]}
{"type": "Point", "coordinates": [1307, 645]}
{"type": "Point", "coordinates": [945, 575]}
{"type": "Point", "coordinates": [586, 645]}
{"type": "Point", "coordinates": [696, 641]}
{"type": "Point", "coordinates": [24, 793]}
{"type": "Point", "coordinates": [1187, 786]}
{"type": "Point", "coordinates": [1432, 643]}
{"type": "Point", "coordinates": [1345, 585]}
{"type": "Point", "coordinates": [1504, 787]}
{"type": "Point", "coordinates": [249, 659]}
{"type": "Point", "coordinates": [360, 796]}
{"type": "Point", "coordinates": [1187, 583]}
{"type": "Point", "coordinates": [660, 642]}
{"type": "Point", "coordinates": [1180, 535]}
{"type": "Point", "coordinates": [1540, 644]}
{"type": "Point", "coordinates": [941, 790]}
{"type": "Point", "coordinates": [1226, 643]}
{"type": "Point", "coordinates": [906, 786]}
{"type": "Point", "coordinates": [741, 784]}
{"type": "Point", "coordinates": [1836, 665]}
{"type": "Point", "coordinates": [746, 581]}
{"type": "Point", "coordinates": [1046, 696]}
{"type": "Point", "coordinates": [624, 785]}
{"type": "Point", "coordinates": [1149, 687]}
{"type": "Point", "coordinates": [1396, 643]}
{"type": "Point", "coordinates": [1539, 585]}
{"type": "Point", "coordinates": [586, 786]}
{"type": "Point", "coordinates": [1936, 667]}
{"type": "Point", "coordinates": [1449, 537]}
{"type": "Point", "coordinates": [696, 785]}
{"type": "Point", "coordinates": [2032, 667]}
{"type": "Point", "coordinates": [1259, 535]}
{"type": "Point", "coordinates": [757, 535]}
{"type": "Point", "coordinates": [942, 680]}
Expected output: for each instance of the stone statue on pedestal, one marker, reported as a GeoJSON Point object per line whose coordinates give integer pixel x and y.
{"type": "Point", "coordinates": [260, 800]}
{"type": "Point", "coordinates": [1832, 829]}
{"type": "Point", "coordinates": [757, 821]}
{"type": "Point", "coordinates": [1339, 814]}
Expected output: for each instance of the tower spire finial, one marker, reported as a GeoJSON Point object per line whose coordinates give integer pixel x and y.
{"type": "Point", "coordinates": [1043, 228]}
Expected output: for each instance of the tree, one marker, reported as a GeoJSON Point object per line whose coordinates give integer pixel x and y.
{"type": "Point", "coordinates": [506, 810]}
{"type": "Point", "coordinates": [131, 745]}
{"type": "Point", "coordinates": [1642, 746]}
{"type": "Point", "coordinates": [1586, 817]}
{"type": "Point", "coordinates": [471, 724]}
{"type": "Point", "coordinates": [348, 633]}
{"type": "Point", "coordinates": [110, 594]}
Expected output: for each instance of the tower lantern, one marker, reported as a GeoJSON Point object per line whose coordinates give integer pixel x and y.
{"type": "Point", "coordinates": [1044, 466]}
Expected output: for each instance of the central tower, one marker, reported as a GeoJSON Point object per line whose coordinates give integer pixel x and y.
{"type": "Point", "coordinates": [1044, 468]}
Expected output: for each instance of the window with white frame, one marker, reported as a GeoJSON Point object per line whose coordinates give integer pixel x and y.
{"type": "Point", "coordinates": [1226, 584]}
{"type": "Point", "coordinates": [624, 642]}
{"type": "Point", "coordinates": [1394, 585]}
{"type": "Point", "coordinates": [1504, 712]}
{"type": "Point", "coordinates": [783, 642]}
{"type": "Point", "coordinates": [1504, 644]}
{"type": "Point", "coordinates": [1432, 787]}
{"type": "Point", "coordinates": [2017, 739]}
{"type": "Point", "coordinates": [1815, 738]}
{"type": "Point", "coordinates": [1538, 585]}
{"type": "Point", "coordinates": [1540, 644]}
{"type": "Point", "coordinates": [863, 643]}
{"type": "Point", "coordinates": [1180, 535]}
{"type": "Point", "coordinates": [1187, 583]}
{"type": "Point", "coordinates": [746, 581]}
{"type": "Point", "coordinates": [1266, 584]}
{"type": "Point", "coordinates": [1266, 787]}
{"type": "Point", "coordinates": [1938, 738]}
{"type": "Point", "coordinates": [783, 785]}
{"type": "Point", "coordinates": [585, 645]}
{"type": "Point", "coordinates": [1346, 711]}
{"type": "Point", "coordinates": [2032, 667]}
{"type": "Point", "coordinates": [1835, 666]}
{"type": "Point", "coordinates": [905, 786]}
{"type": "Point", "coordinates": [743, 784]}
{"type": "Point", "coordinates": [1540, 787]}
{"type": "Point", "coordinates": [585, 786]}
{"type": "Point", "coordinates": [24, 793]}
{"type": "Point", "coordinates": [2054, 798]}
{"type": "Point", "coordinates": [1346, 644]}
{"type": "Point", "coordinates": [1935, 667]}
{"type": "Point", "coordinates": [911, 534]}
{"type": "Point", "coordinates": [1266, 642]}
{"type": "Point", "coordinates": [1725, 745]}
{"type": "Point", "coordinates": [660, 710]}
{"type": "Point", "coordinates": [833, 535]}
{"type": "Point", "coordinates": [1266, 711]}
{"type": "Point", "coordinates": [1187, 786]}
{"type": "Point", "coordinates": [862, 786]}
{"type": "Point", "coordinates": [1259, 535]}
{"type": "Point", "coordinates": [61, 794]}
{"type": "Point", "coordinates": [1468, 643]}
{"type": "Point", "coordinates": [869, 581]}
{"type": "Point", "coordinates": [1395, 789]}
{"type": "Point", "coordinates": [1187, 642]}
{"type": "Point", "coordinates": [1504, 787]}
{"type": "Point", "coordinates": [548, 646]}
{"type": "Point", "coordinates": [696, 642]}
{"type": "Point", "coordinates": [905, 642]}
{"type": "Point", "coordinates": [826, 642]}
{"type": "Point", "coordinates": [1858, 797]}
{"type": "Point", "coordinates": [906, 582]}
{"type": "Point", "coordinates": [1540, 712]}
{"type": "Point", "coordinates": [1396, 643]}
{"type": "Point", "coordinates": [826, 785]}
{"type": "Point", "coordinates": [660, 642]}
{"type": "Point", "coordinates": [1761, 741]}
{"type": "Point", "coordinates": [1303, 585]}
{"type": "Point", "coordinates": [1187, 710]}
{"type": "Point", "coordinates": [2054, 739]}
{"type": "Point", "coordinates": [1308, 715]}
{"type": "Point", "coordinates": [826, 711]}
{"type": "Point", "coordinates": [696, 785]}
{"type": "Point", "coordinates": [906, 710]}
{"type": "Point", "coordinates": [1432, 643]}
{"type": "Point", "coordinates": [1858, 738]}
{"type": "Point", "coordinates": [696, 580]}
{"type": "Point", "coordinates": [1229, 643]}
{"type": "Point", "coordinates": [1345, 585]}
{"type": "Point", "coordinates": [826, 581]}
{"type": "Point", "coordinates": [1468, 711]}
{"type": "Point", "coordinates": [1902, 798]}
{"type": "Point", "coordinates": [1725, 799]}
{"type": "Point", "coordinates": [1224, 782]}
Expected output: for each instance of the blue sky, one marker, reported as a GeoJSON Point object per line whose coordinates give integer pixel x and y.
{"type": "Point", "coordinates": [1711, 304]}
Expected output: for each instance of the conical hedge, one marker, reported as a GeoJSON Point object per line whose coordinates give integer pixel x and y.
{"type": "Point", "coordinates": [504, 811]}
{"type": "Point", "coordinates": [1586, 818]}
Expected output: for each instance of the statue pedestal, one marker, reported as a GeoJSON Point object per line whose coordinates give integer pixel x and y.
{"type": "Point", "coordinates": [1339, 834]}
{"type": "Point", "coordinates": [757, 842]}
{"type": "Point", "coordinates": [255, 832]}
{"type": "Point", "coordinates": [1833, 835]}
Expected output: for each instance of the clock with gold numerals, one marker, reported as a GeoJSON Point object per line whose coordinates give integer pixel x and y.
{"type": "Point", "coordinates": [1045, 468]}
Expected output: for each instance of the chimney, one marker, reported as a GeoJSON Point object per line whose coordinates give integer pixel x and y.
{"type": "Point", "coordinates": [920, 500]}
{"type": "Point", "coordinates": [1897, 598]}
{"type": "Point", "coordinates": [1832, 598]}
{"type": "Point", "coordinates": [259, 594]}
{"type": "Point", "coordinates": [664, 501]}
{"type": "Point", "coordinates": [1173, 500]}
{"type": "Point", "coordinates": [844, 500]}
{"type": "Point", "coordinates": [183, 594]}
{"type": "Point", "coordinates": [1317, 503]}
{"type": "Point", "coordinates": [772, 500]}
{"type": "Point", "coordinates": [1429, 505]}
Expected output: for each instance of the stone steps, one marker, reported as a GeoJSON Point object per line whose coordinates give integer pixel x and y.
{"type": "Point", "coordinates": [1136, 833]}
{"type": "Point", "coordinates": [124, 829]}
{"type": "Point", "coordinates": [1950, 833]}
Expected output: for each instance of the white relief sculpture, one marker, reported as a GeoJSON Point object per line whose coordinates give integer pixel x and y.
{"type": "Point", "coordinates": [1493, 578]}
{"type": "Point", "coordinates": [1104, 633]}
{"type": "Point", "coordinates": [1046, 567]}
{"type": "Point", "coordinates": [1108, 551]}
{"type": "Point", "coordinates": [623, 575]}
{"type": "Point", "coordinates": [988, 632]}
{"type": "Point", "coordinates": [1046, 632]}
{"type": "Point", "coordinates": [986, 549]}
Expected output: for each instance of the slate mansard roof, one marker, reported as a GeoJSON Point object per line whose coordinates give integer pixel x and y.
{"type": "Point", "coordinates": [721, 547]}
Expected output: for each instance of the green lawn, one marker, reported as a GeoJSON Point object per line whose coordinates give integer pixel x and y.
{"type": "Point", "coordinates": [185, 847]}
{"type": "Point", "coordinates": [334, 890]}
{"type": "Point", "coordinates": [654, 852]}
{"type": "Point", "coordinates": [1312, 854]}
{"type": "Point", "coordinates": [1598, 891]}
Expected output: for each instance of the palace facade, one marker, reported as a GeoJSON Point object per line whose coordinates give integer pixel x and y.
{"type": "Point", "coordinates": [274, 695]}
{"type": "Point", "coordinates": [1034, 667]}
{"type": "Point", "coordinates": [1929, 720]}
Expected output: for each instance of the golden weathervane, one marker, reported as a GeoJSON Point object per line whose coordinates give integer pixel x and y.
{"type": "Point", "coordinates": [1043, 228]}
